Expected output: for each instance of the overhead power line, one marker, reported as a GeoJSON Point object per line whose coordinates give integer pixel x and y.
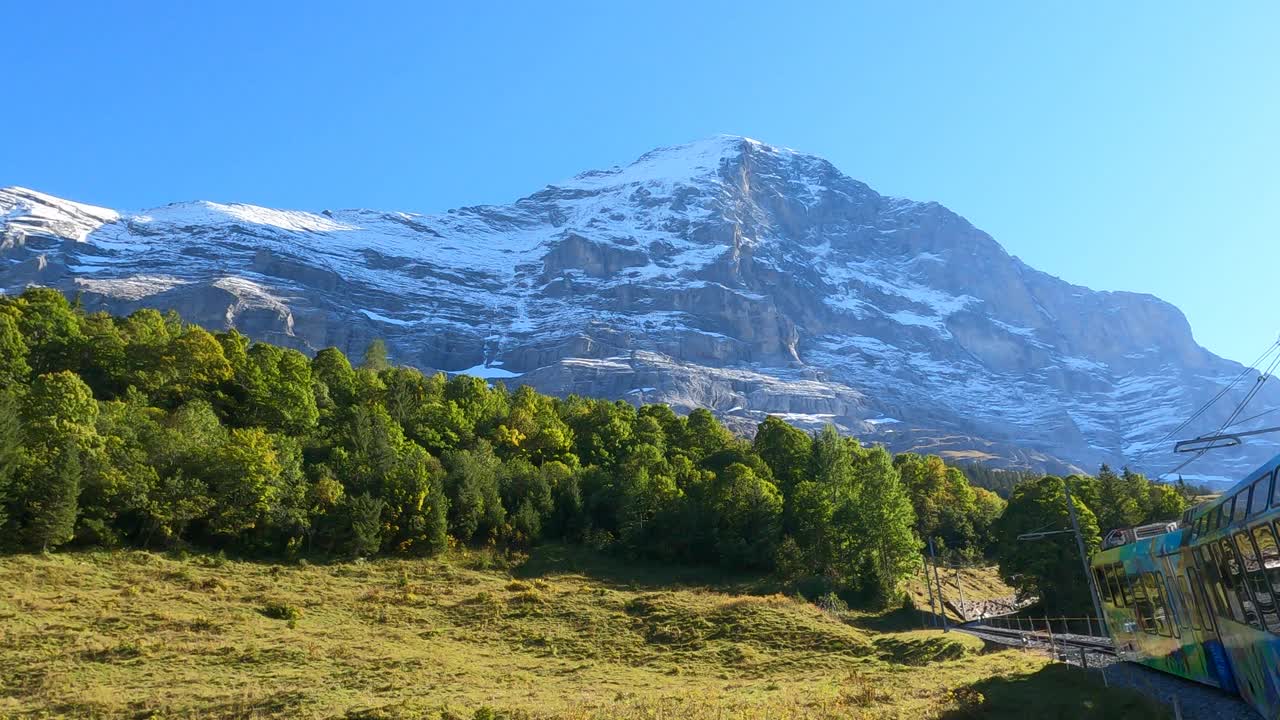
{"type": "Point", "coordinates": [1205, 407]}
{"type": "Point", "coordinates": [1231, 419]}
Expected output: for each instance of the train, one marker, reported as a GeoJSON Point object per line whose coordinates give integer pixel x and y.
{"type": "Point", "coordinates": [1198, 598]}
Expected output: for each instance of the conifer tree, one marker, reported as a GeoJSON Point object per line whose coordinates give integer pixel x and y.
{"type": "Point", "coordinates": [375, 357]}
{"type": "Point", "coordinates": [53, 501]}
{"type": "Point", "coordinates": [365, 515]}
{"type": "Point", "coordinates": [10, 435]}
{"type": "Point", "coordinates": [887, 521]}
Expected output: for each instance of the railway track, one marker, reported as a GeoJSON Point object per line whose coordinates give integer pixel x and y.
{"type": "Point", "coordinates": [1039, 637]}
{"type": "Point", "coordinates": [1193, 700]}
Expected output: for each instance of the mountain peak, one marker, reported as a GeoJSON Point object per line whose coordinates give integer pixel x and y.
{"type": "Point", "coordinates": [723, 273]}
{"type": "Point", "coordinates": [675, 164]}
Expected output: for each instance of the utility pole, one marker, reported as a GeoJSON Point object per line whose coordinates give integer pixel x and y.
{"type": "Point", "coordinates": [942, 606]}
{"type": "Point", "coordinates": [928, 581]}
{"type": "Point", "coordinates": [1084, 559]}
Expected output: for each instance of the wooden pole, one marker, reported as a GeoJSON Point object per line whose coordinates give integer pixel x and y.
{"type": "Point", "coordinates": [942, 604]}
{"type": "Point", "coordinates": [929, 582]}
{"type": "Point", "coordinates": [1084, 558]}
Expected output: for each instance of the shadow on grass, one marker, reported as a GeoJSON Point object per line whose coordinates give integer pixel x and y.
{"type": "Point", "coordinates": [900, 620]}
{"type": "Point", "coordinates": [556, 559]}
{"type": "Point", "coordinates": [1056, 692]}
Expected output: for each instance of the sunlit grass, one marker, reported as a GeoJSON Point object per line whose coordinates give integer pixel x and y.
{"type": "Point", "coordinates": [135, 634]}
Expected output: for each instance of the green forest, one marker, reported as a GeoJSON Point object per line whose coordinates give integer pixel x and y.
{"type": "Point", "coordinates": [146, 431]}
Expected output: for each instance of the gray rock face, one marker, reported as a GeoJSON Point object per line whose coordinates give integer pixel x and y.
{"type": "Point", "coordinates": [725, 274]}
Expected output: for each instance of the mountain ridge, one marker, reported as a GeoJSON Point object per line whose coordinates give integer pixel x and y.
{"type": "Point", "coordinates": [724, 273]}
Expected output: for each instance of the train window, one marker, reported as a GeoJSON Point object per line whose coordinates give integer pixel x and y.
{"type": "Point", "coordinates": [1173, 596]}
{"type": "Point", "coordinates": [1126, 588]}
{"type": "Point", "coordinates": [1142, 604]}
{"type": "Point", "coordinates": [1261, 491]}
{"type": "Point", "coordinates": [1121, 590]}
{"type": "Point", "coordinates": [1275, 490]}
{"type": "Point", "coordinates": [1200, 595]}
{"type": "Point", "coordinates": [1200, 524]}
{"type": "Point", "coordinates": [1100, 582]}
{"type": "Point", "coordinates": [1269, 554]}
{"type": "Point", "coordinates": [1242, 506]}
{"type": "Point", "coordinates": [1232, 575]}
{"type": "Point", "coordinates": [1213, 582]}
{"type": "Point", "coordinates": [1214, 572]}
{"type": "Point", "coordinates": [1258, 582]}
{"type": "Point", "coordinates": [1189, 603]}
{"type": "Point", "coordinates": [1177, 602]}
{"type": "Point", "coordinates": [1160, 604]}
{"type": "Point", "coordinates": [1161, 618]}
{"type": "Point", "coordinates": [1113, 573]}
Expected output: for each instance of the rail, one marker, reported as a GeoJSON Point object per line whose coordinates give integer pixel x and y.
{"type": "Point", "coordinates": [1086, 626]}
{"type": "Point", "coordinates": [1059, 644]}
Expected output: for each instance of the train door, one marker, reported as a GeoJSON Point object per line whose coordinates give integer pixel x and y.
{"type": "Point", "coordinates": [1121, 622]}
{"type": "Point", "coordinates": [1178, 604]}
{"type": "Point", "coordinates": [1212, 602]}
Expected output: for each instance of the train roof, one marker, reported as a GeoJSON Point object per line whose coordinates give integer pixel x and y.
{"type": "Point", "coordinates": [1249, 479]}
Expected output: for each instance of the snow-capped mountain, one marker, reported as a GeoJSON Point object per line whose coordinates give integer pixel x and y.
{"type": "Point", "coordinates": [725, 273]}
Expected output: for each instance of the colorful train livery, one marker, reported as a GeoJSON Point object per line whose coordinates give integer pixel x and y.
{"type": "Point", "coordinates": [1198, 598]}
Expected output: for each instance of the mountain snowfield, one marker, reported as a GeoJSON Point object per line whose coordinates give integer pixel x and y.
{"type": "Point", "coordinates": [725, 273]}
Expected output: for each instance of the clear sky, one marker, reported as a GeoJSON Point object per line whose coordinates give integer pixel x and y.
{"type": "Point", "coordinates": [1119, 145]}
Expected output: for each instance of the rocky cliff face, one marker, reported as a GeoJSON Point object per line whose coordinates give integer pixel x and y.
{"type": "Point", "coordinates": [726, 274]}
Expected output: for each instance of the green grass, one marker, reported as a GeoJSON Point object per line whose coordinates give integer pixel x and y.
{"type": "Point", "coordinates": [563, 634]}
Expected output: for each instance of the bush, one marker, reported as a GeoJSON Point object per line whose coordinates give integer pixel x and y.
{"type": "Point", "coordinates": [527, 597]}
{"type": "Point", "coordinates": [833, 603]}
{"type": "Point", "coordinates": [282, 611]}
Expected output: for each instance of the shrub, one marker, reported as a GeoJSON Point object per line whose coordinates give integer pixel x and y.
{"type": "Point", "coordinates": [282, 611]}
{"type": "Point", "coordinates": [832, 603]}
{"type": "Point", "coordinates": [598, 540]}
{"type": "Point", "coordinates": [527, 597]}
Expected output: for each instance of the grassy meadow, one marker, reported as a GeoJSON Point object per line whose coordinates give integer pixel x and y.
{"type": "Point", "coordinates": [479, 636]}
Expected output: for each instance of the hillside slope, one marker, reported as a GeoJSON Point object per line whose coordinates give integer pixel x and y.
{"type": "Point", "coordinates": [133, 634]}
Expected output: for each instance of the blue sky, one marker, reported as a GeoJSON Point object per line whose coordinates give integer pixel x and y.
{"type": "Point", "coordinates": [1123, 146]}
